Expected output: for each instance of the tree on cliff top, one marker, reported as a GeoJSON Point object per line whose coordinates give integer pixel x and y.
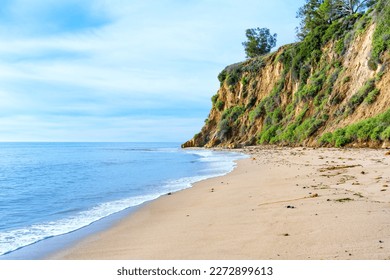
{"type": "Point", "coordinates": [260, 41]}
{"type": "Point", "coordinates": [315, 13]}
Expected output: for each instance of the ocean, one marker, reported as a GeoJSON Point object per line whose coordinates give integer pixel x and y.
{"type": "Point", "coordinates": [49, 190]}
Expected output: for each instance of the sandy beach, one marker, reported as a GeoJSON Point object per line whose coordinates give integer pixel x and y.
{"type": "Point", "coordinates": [281, 203]}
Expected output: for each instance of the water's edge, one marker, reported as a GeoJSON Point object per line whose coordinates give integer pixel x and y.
{"type": "Point", "coordinates": [45, 248]}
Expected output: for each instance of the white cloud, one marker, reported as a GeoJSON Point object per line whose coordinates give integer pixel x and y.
{"type": "Point", "coordinates": [151, 59]}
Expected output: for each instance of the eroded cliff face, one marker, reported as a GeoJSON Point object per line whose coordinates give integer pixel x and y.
{"type": "Point", "coordinates": [278, 99]}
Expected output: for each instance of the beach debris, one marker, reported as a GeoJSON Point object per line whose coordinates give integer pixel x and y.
{"type": "Point", "coordinates": [335, 167]}
{"type": "Point", "coordinates": [380, 241]}
{"type": "Point", "coordinates": [290, 207]}
{"type": "Point", "coordinates": [314, 195]}
{"type": "Point", "coordinates": [358, 194]}
{"type": "Point", "coordinates": [362, 172]}
{"type": "Point", "coordinates": [286, 234]}
{"type": "Point", "coordinates": [212, 189]}
{"type": "Point", "coordinates": [344, 199]}
{"type": "Point", "coordinates": [169, 193]}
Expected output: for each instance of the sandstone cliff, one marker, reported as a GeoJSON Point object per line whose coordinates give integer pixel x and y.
{"type": "Point", "coordinates": [332, 89]}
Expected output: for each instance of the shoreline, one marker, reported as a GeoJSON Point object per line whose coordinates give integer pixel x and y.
{"type": "Point", "coordinates": [45, 247]}
{"type": "Point", "coordinates": [282, 203]}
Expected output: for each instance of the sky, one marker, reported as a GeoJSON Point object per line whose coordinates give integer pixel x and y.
{"type": "Point", "coordinates": [122, 70]}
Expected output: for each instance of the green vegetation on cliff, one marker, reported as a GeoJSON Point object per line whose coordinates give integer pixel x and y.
{"type": "Point", "coordinates": [376, 129]}
{"type": "Point", "coordinates": [329, 89]}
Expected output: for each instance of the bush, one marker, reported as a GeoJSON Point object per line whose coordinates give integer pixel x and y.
{"type": "Point", "coordinates": [340, 139]}
{"type": "Point", "coordinates": [371, 97]}
{"type": "Point", "coordinates": [380, 41]}
{"type": "Point", "coordinates": [385, 135]}
{"type": "Point", "coordinates": [219, 105]}
{"type": "Point", "coordinates": [372, 64]}
{"type": "Point", "coordinates": [254, 65]}
{"type": "Point", "coordinates": [374, 129]}
{"type": "Point", "coordinates": [233, 113]}
{"type": "Point", "coordinates": [326, 138]}
{"type": "Point", "coordinates": [339, 48]}
{"type": "Point", "coordinates": [244, 81]}
{"type": "Point", "coordinates": [257, 112]}
{"type": "Point", "coordinates": [222, 76]}
{"type": "Point", "coordinates": [268, 135]}
{"type": "Point", "coordinates": [347, 79]}
{"type": "Point", "coordinates": [232, 78]}
{"type": "Point", "coordinates": [214, 98]}
{"type": "Point", "coordinates": [362, 93]}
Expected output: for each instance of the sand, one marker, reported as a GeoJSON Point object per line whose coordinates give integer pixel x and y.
{"type": "Point", "coordinates": [281, 203]}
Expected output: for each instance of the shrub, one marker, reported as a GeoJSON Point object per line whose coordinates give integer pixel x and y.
{"type": "Point", "coordinates": [380, 74]}
{"type": "Point", "coordinates": [268, 134]}
{"type": "Point", "coordinates": [380, 41]}
{"type": "Point", "coordinates": [244, 81]}
{"type": "Point", "coordinates": [372, 64]}
{"type": "Point", "coordinates": [233, 113]}
{"type": "Point", "coordinates": [362, 93]}
{"type": "Point", "coordinates": [219, 105]}
{"type": "Point", "coordinates": [347, 79]}
{"type": "Point", "coordinates": [232, 78]}
{"type": "Point", "coordinates": [326, 138]}
{"type": "Point", "coordinates": [214, 98]}
{"type": "Point", "coordinates": [222, 76]}
{"type": "Point", "coordinates": [304, 73]}
{"type": "Point", "coordinates": [339, 47]}
{"type": "Point", "coordinates": [257, 112]}
{"type": "Point", "coordinates": [254, 65]}
{"type": "Point", "coordinates": [374, 129]}
{"type": "Point", "coordinates": [340, 139]}
{"type": "Point", "coordinates": [371, 97]}
{"type": "Point", "coordinates": [385, 135]}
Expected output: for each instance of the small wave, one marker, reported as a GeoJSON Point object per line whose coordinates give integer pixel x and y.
{"type": "Point", "coordinates": [18, 238]}
{"type": "Point", "coordinates": [218, 164]}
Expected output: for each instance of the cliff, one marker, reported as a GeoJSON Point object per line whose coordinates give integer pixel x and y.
{"type": "Point", "coordinates": [331, 89]}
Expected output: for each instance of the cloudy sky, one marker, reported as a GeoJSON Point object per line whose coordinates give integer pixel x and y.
{"type": "Point", "coordinates": [121, 70]}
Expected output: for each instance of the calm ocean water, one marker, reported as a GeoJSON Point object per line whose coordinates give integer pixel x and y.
{"type": "Point", "coordinates": [50, 189]}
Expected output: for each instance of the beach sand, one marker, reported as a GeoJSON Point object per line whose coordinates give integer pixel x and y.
{"type": "Point", "coordinates": [281, 203]}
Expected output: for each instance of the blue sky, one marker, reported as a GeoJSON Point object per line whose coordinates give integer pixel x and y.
{"type": "Point", "coordinates": [121, 70]}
